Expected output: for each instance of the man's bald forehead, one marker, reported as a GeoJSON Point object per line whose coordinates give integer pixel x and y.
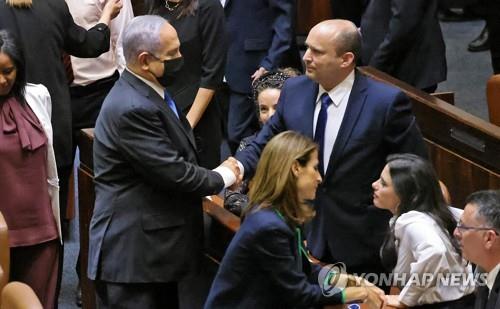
{"type": "Point", "coordinates": [334, 26]}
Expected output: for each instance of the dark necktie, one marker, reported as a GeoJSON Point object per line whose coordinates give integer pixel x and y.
{"type": "Point", "coordinates": [171, 104]}
{"type": "Point", "coordinates": [319, 134]}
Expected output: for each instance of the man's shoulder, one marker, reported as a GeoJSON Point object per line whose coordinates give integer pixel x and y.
{"type": "Point", "coordinates": [301, 80]}
{"type": "Point", "coordinates": [123, 97]}
{"type": "Point", "coordinates": [378, 89]}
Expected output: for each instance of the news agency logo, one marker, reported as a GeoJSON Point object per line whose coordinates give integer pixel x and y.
{"type": "Point", "coordinates": [332, 279]}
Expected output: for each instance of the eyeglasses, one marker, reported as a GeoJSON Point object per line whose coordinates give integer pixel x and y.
{"type": "Point", "coordinates": [462, 227]}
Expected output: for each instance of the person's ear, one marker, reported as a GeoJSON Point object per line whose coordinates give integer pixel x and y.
{"type": "Point", "coordinates": [347, 59]}
{"type": "Point", "coordinates": [490, 238]}
{"type": "Point", "coordinates": [296, 168]}
{"type": "Point", "coordinates": [143, 60]}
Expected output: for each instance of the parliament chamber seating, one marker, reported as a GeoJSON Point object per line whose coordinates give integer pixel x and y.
{"type": "Point", "coordinates": [493, 96]}
{"type": "Point", "coordinates": [17, 295]}
{"type": "Point", "coordinates": [463, 149]}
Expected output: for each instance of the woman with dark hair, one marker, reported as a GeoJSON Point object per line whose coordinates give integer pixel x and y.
{"type": "Point", "coordinates": [200, 28]}
{"type": "Point", "coordinates": [29, 183]}
{"type": "Point", "coordinates": [266, 265]}
{"type": "Point", "coordinates": [420, 248]}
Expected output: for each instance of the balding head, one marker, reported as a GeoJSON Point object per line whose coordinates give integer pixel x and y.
{"type": "Point", "coordinates": [342, 34]}
{"type": "Point", "coordinates": [333, 47]}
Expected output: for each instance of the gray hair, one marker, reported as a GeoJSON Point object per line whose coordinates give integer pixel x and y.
{"type": "Point", "coordinates": [488, 206]}
{"type": "Point", "coordinates": [142, 34]}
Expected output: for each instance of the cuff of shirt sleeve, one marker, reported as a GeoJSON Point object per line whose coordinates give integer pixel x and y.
{"type": "Point", "coordinates": [227, 175]}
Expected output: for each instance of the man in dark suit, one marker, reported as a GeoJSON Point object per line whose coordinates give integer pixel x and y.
{"type": "Point", "coordinates": [261, 38]}
{"type": "Point", "coordinates": [477, 232]}
{"type": "Point", "coordinates": [357, 122]}
{"type": "Point", "coordinates": [493, 23]}
{"type": "Point", "coordinates": [147, 228]}
{"type": "Point", "coordinates": [404, 39]}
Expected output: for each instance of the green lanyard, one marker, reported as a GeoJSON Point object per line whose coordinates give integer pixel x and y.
{"type": "Point", "coordinates": [300, 244]}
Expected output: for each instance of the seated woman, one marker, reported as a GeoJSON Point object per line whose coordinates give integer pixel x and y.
{"type": "Point", "coordinates": [265, 265]}
{"type": "Point", "coordinates": [28, 182]}
{"type": "Point", "coordinates": [266, 92]}
{"type": "Point", "coordinates": [420, 248]}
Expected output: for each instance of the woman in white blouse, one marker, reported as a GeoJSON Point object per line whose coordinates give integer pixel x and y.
{"type": "Point", "coordinates": [419, 248]}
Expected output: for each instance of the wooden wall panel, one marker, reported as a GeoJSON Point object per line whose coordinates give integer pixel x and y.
{"type": "Point", "coordinates": [311, 12]}
{"type": "Point", "coordinates": [461, 176]}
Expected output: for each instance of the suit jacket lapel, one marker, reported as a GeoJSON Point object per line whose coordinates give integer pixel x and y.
{"type": "Point", "coordinates": [148, 92]}
{"type": "Point", "coordinates": [354, 107]}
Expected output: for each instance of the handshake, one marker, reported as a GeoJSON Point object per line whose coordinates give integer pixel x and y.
{"type": "Point", "coordinates": [232, 164]}
{"type": "Point", "coordinates": [359, 290]}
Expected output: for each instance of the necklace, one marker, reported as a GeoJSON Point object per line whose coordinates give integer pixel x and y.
{"type": "Point", "coordinates": [171, 7]}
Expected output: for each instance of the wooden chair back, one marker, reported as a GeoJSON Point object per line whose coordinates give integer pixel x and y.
{"type": "Point", "coordinates": [493, 97]}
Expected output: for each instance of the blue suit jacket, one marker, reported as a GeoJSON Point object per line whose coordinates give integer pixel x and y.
{"type": "Point", "coordinates": [262, 269]}
{"type": "Point", "coordinates": [378, 121]}
{"type": "Point", "coordinates": [260, 33]}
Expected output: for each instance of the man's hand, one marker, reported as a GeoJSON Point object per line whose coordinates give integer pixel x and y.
{"type": "Point", "coordinates": [258, 74]}
{"type": "Point", "coordinates": [110, 11]}
{"type": "Point", "coordinates": [355, 294]}
{"type": "Point", "coordinates": [232, 164]}
{"type": "Point", "coordinates": [393, 301]}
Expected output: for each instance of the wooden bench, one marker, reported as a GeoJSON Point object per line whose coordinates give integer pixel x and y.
{"type": "Point", "coordinates": [493, 96]}
{"type": "Point", "coordinates": [463, 148]}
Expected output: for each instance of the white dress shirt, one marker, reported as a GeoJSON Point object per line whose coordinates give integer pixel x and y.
{"type": "Point", "coordinates": [336, 111]}
{"type": "Point", "coordinates": [225, 172]}
{"type": "Point", "coordinates": [423, 248]}
{"type": "Point", "coordinates": [86, 13]}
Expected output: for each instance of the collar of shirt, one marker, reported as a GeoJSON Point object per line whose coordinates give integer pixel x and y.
{"type": "Point", "coordinates": [338, 92]}
{"type": "Point", "coordinates": [492, 275]}
{"type": "Point", "coordinates": [160, 90]}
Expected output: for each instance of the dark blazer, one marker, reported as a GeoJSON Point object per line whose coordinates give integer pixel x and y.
{"type": "Point", "coordinates": [378, 121]}
{"type": "Point", "coordinates": [45, 30]}
{"type": "Point", "coordinates": [262, 269]}
{"type": "Point", "coordinates": [403, 38]}
{"type": "Point", "coordinates": [485, 300]}
{"type": "Point", "coordinates": [260, 34]}
{"type": "Point", "coordinates": [147, 224]}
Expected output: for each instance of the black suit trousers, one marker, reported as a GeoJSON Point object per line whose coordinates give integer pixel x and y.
{"type": "Point", "coordinates": [136, 295]}
{"type": "Point", "coordinates": [493, 23]}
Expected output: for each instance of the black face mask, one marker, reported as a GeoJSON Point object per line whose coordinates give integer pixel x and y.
{"type": "Point", "coordinates": [170, 69]}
